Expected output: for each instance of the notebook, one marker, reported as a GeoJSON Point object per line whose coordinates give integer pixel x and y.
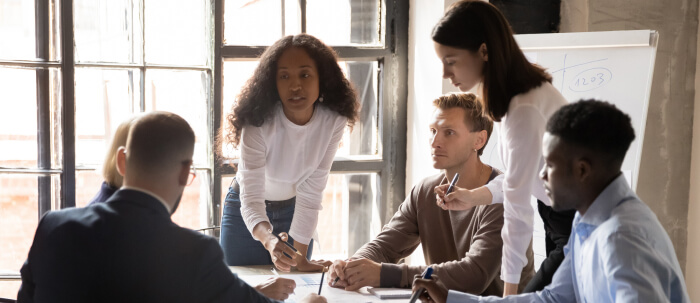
{"type": "Point", "coordinates": [391, 293]}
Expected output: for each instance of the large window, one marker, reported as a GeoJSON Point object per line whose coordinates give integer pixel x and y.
{"type": "Point", "coordinates": [72, 70]}
{"type": "Point", "coordinates": [367, 180]}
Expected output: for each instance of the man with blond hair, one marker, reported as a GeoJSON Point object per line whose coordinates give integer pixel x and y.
{"type": "Point", "coordinates": [463, 247]}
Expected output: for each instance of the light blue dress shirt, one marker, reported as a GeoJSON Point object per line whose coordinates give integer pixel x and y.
{"type": "Point", "coordinates": [618, 252]}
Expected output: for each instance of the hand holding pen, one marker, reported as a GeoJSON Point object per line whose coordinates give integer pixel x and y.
{"type": "Point", "coordinates": [282, 254]}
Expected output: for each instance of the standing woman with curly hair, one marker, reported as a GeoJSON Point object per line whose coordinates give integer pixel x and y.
{"type": "Point", "coordinates": [476, 46]}
{"type": "Point", "coordinates": [288, 122]}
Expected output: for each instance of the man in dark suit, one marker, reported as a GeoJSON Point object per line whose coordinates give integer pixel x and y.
{"type": "Point", "coordinates": [128, 249]}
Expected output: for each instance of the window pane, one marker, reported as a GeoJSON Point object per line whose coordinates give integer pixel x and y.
{"type": "Point", "coordinates": [9, 289]}
{"type": "Point", "coordinates": [350, 217]}
{"type": "Point", "coordinates": [236, 73]}
{"type": "Point", "coordinates": [103, 99]}
{"type": "Point", "coordinates": [260, 22]}
{"type": "Point", "coordinates": [186, 94]}
{"type": "Point", "coordinates": [108, 31]}
{"type": "Point", "coordinates": [18, 25]}
{"type": "Point", "coordinates": [87, 184]}
{"type": "Point", "coordinates": [193, 209]}
{"type": "Point", "coordinates": [178, 32]}
{"type": "Point", "coordinates": [364, 138]}
{"type": "Point", "coordinates": [20, 216]}
{"type": "Point", "coordinates": [18, 122]}
{"type": "Point", "coordinates": [344, 22]}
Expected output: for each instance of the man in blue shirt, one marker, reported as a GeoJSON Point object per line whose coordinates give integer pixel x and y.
{"type": "Point", "coordinates": [618, 251]}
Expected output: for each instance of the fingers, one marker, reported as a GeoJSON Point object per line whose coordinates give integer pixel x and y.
{"type": "Point", "coordinates": [286, 283]}
{"type": "Point", "coordinates": [284, 236]}
{"type": "Point", "coordinates": [337, 269]}
{"type": "Point", "coordinates": [355, 285]}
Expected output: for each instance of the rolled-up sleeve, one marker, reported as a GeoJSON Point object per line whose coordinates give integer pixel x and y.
{"type": "Point", "coordinates": [310, 191]}
{"type": "Point", "coordinates": [495, 186]}
{"type": "Point", "coordinates": [251, 177]}
{"type": "Point", "coordinates": [523, 131]}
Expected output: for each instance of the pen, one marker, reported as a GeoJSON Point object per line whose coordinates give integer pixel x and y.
{"type": "Point", "coordinates": [335, 281]}
{"type": "Point", "coordinates": [274, 271]}
{"type": "Point", "coordinates": [320, 285]}
{"type": "Point", "coordinates": [426, 275]}
{"type": "Point", "coordinates": [290, 246]}
{"type": "Point", "coordinates": [452, 185]}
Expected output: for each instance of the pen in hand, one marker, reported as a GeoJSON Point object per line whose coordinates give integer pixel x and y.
{"type": "Point", "coordinates": [451, 187]}
{"type": "Point", "coordinates": [426, 275]}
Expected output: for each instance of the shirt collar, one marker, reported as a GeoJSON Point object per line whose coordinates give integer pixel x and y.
{"type": "Point", "coordinates": [162, 201]}
{"type": "Point", "coordinates": [615, 193]}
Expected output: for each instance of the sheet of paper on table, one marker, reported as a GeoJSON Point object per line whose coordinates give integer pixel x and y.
{"type": "Point", "coordinates": [309, 282]}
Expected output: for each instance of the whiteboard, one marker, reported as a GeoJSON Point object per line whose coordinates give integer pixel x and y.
{"type": "Point", "coordinates": [615, 66]}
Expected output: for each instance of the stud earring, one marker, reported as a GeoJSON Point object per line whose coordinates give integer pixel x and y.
{"type": "Point", "coordinates": [320, 99]}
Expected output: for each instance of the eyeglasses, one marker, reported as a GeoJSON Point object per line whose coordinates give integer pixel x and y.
{"type": "Point", "coordinates": [192, 176]}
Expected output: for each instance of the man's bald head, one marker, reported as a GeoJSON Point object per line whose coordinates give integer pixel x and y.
{"type": "Point", "coordinates": [159, 143]}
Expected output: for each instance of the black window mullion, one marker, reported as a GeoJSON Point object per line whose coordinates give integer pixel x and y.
{"type": "Point", "coordinates": [41, 9]}
{"type": "Point", "coordinates": [392, 93]}
{"type": "Point", "coordinates": [68, 108]}
{"type": "Point", "coordinates": [302, 8]}
{"type": "Point", "coordinates": [216, 115]}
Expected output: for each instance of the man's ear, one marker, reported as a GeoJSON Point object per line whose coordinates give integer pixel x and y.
{"type": "Point", "coordinates": [184, 173]}
{"type": "Point", "coordinates": [121, 161]}
{"type": "Point", "coordinates": [582, 170]}
{"type": "Point", "coordinates": [480, 139]}
{"type": "Point", "coordinates": [483, 52]}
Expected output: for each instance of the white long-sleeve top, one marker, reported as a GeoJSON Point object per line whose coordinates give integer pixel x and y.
{"type": "Point", "coordinates": [520, 135]}
{"type": "Point", "coordinates": [280, 160]}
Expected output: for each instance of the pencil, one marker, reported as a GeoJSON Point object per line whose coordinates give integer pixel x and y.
{"type": "Point", "coordinates": [323, 273]}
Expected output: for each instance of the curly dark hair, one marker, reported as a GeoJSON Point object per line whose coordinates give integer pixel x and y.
{"type": "Point", "coordinates": [594, 125]}
{"type": "Point", "coordinates": [259, 95]}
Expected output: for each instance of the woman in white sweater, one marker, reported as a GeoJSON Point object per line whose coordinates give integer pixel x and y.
{"type": "Point", "coordinates": [476, 46]}
{"type": "Point", "coordinates": [288, 122]}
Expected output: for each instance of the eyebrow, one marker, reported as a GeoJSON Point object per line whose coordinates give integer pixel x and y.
{"type": "Point", "coordinates": [303, 66]}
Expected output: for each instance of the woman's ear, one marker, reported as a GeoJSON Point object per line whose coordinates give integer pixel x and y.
{"type": "Point", "coordinates": [121, 161]}
{"type": "Point", "coordinates": [483, 52]}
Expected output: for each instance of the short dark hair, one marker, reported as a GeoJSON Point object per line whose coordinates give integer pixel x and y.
{"type": "Point", "coordinates": [259, 95]}
{"type": "Point", "coordinates": [158, 141]}
{"type": "Point", "coordinates": [595, 125]}
{"type": "Point", "coordinates": [474, 116]}
{"type": "Point", "coordinates": [468, 24]}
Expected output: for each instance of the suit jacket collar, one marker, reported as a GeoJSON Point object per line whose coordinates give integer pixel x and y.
{"type": "Point", "coordinates": [141, 199]}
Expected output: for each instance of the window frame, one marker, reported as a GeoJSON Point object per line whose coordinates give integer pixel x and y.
{"type": "Point", "coordinates": [392, 57]}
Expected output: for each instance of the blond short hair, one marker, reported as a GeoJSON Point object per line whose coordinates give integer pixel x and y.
{"type": "Point", "coordinates": [109, 166]}
{"type": "Point", "coordinates": [474, 116]}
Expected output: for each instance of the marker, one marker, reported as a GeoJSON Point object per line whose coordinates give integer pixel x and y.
{"type": "Point", "coordinates": [451, 187]}
{"type": "Point", "coordinates": [426, 275]}
{"type": "Point", "coordinates": [320, 285]}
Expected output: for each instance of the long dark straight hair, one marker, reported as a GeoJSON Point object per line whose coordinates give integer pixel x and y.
{"type": "Point", "coordinates": [467, 25]}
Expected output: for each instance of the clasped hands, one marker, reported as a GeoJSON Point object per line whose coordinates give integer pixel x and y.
{"type": "Point", "coordinates": [354, 274]}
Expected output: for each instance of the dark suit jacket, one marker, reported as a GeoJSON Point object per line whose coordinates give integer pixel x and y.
{"type": "Point", "coordinates": [126, 250]}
